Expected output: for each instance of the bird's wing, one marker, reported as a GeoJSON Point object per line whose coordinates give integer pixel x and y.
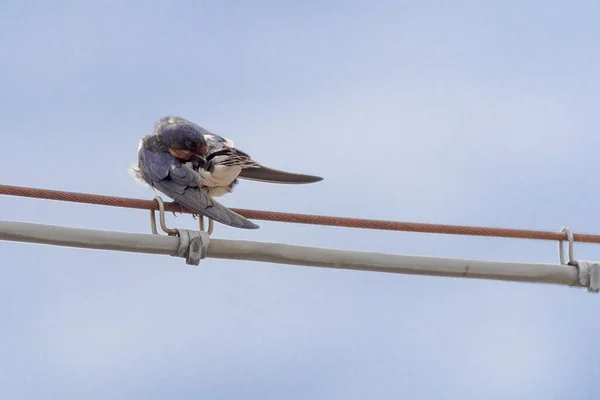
{"type": "Point", "coordinates": [271, 175]}
{"type": "Point", "coordinates": [222, 152]}
{"type": "Point", "coordinates": [180, 182]}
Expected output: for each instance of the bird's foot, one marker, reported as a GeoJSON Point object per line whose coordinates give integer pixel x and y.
{"type": "Point", "coordinates": [180, 209]}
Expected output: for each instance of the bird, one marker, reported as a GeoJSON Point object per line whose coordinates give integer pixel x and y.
{"type": "Point", "coordinates": [193, 166]}
{"type": "Point", "coordinates": [225, 163]}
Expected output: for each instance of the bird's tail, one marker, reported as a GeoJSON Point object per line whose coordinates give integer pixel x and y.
{"type": "Point", "coordinates": [265, 174]}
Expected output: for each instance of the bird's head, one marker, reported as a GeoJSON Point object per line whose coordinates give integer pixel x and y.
{"type": "Point", "coordinates": [184, 141]}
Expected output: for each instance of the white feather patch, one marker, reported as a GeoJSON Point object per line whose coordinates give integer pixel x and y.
{"type": "Point", "coordinates": [222, 176]}
{"type": "Point", "coordinates": [136, 174]}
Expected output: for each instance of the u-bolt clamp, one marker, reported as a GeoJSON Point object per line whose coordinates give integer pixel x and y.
{"type": "Point", "coordinates": [588, 271]}
{"type": "Point", "coordinates": [171, 231]}
{"type": "Point", "coordinates": [193, 245]}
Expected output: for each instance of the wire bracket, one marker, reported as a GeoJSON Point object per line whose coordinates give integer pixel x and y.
{"type": "Point", "coordinates": [561, 252]}
{"type": "Point", "coordinates": [171, 231]}
{"type": "Point", "coordinates": [193, 245]}
{"type": "Point", "coordinates": [588, 271]}
{"type": "Point", "coordinates": [163, 225]}
{"type": "Point", "coordinates": [210, 224]}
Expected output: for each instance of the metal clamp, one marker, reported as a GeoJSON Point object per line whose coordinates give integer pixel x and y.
{"type": "Point", "coordinates": [588, 271]}
{"type": "Point", "coordinates": [561, 254]}
{"type": "Point", "coordinates": [210, 225]}
{"type": "Point", "coordinates": [171, 231]}
{"type": "Point", "coordinates": [193, 245]}
{"type": "Point", "coordinates": [163, 225]}
{"type": "Point", "coordinates": [589, 275]}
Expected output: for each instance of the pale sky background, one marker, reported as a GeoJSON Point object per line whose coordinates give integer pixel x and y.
{"type": "Point", "coordinates": [462, 112]}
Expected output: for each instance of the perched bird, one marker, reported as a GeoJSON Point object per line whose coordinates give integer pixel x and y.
{"type": "Point", "coordinates": [225, 163]}
{"type": "Point", "coordinates": [192, 166]}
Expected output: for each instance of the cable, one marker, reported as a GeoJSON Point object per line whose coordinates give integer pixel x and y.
{"type": "Point", "coordinates": [302, 218]}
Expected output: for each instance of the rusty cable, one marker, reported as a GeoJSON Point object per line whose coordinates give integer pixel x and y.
{"type": "Point", "coordinates": [301, 218]}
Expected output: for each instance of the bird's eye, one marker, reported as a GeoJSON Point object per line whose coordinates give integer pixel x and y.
{"type": "Point", "coordinates": [189, 144]}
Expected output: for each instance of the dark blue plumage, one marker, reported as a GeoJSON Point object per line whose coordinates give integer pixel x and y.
{"type": "Point", "coordinates": [176, 178]}
{"type": "Point", "coordinates": [192, 166]}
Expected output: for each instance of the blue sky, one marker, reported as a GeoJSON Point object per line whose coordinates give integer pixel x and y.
{"type": "Point", "coordinates": [463, 112]}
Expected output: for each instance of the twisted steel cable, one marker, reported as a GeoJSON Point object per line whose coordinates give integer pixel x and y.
{"type": "Point", "coordinates": [301, 218]}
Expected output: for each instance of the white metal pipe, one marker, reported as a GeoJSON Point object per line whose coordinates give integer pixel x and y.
{"type": "Point", "coordinates": [87, 238]}
{"type": "Point", "coordinates": [293, 255]}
